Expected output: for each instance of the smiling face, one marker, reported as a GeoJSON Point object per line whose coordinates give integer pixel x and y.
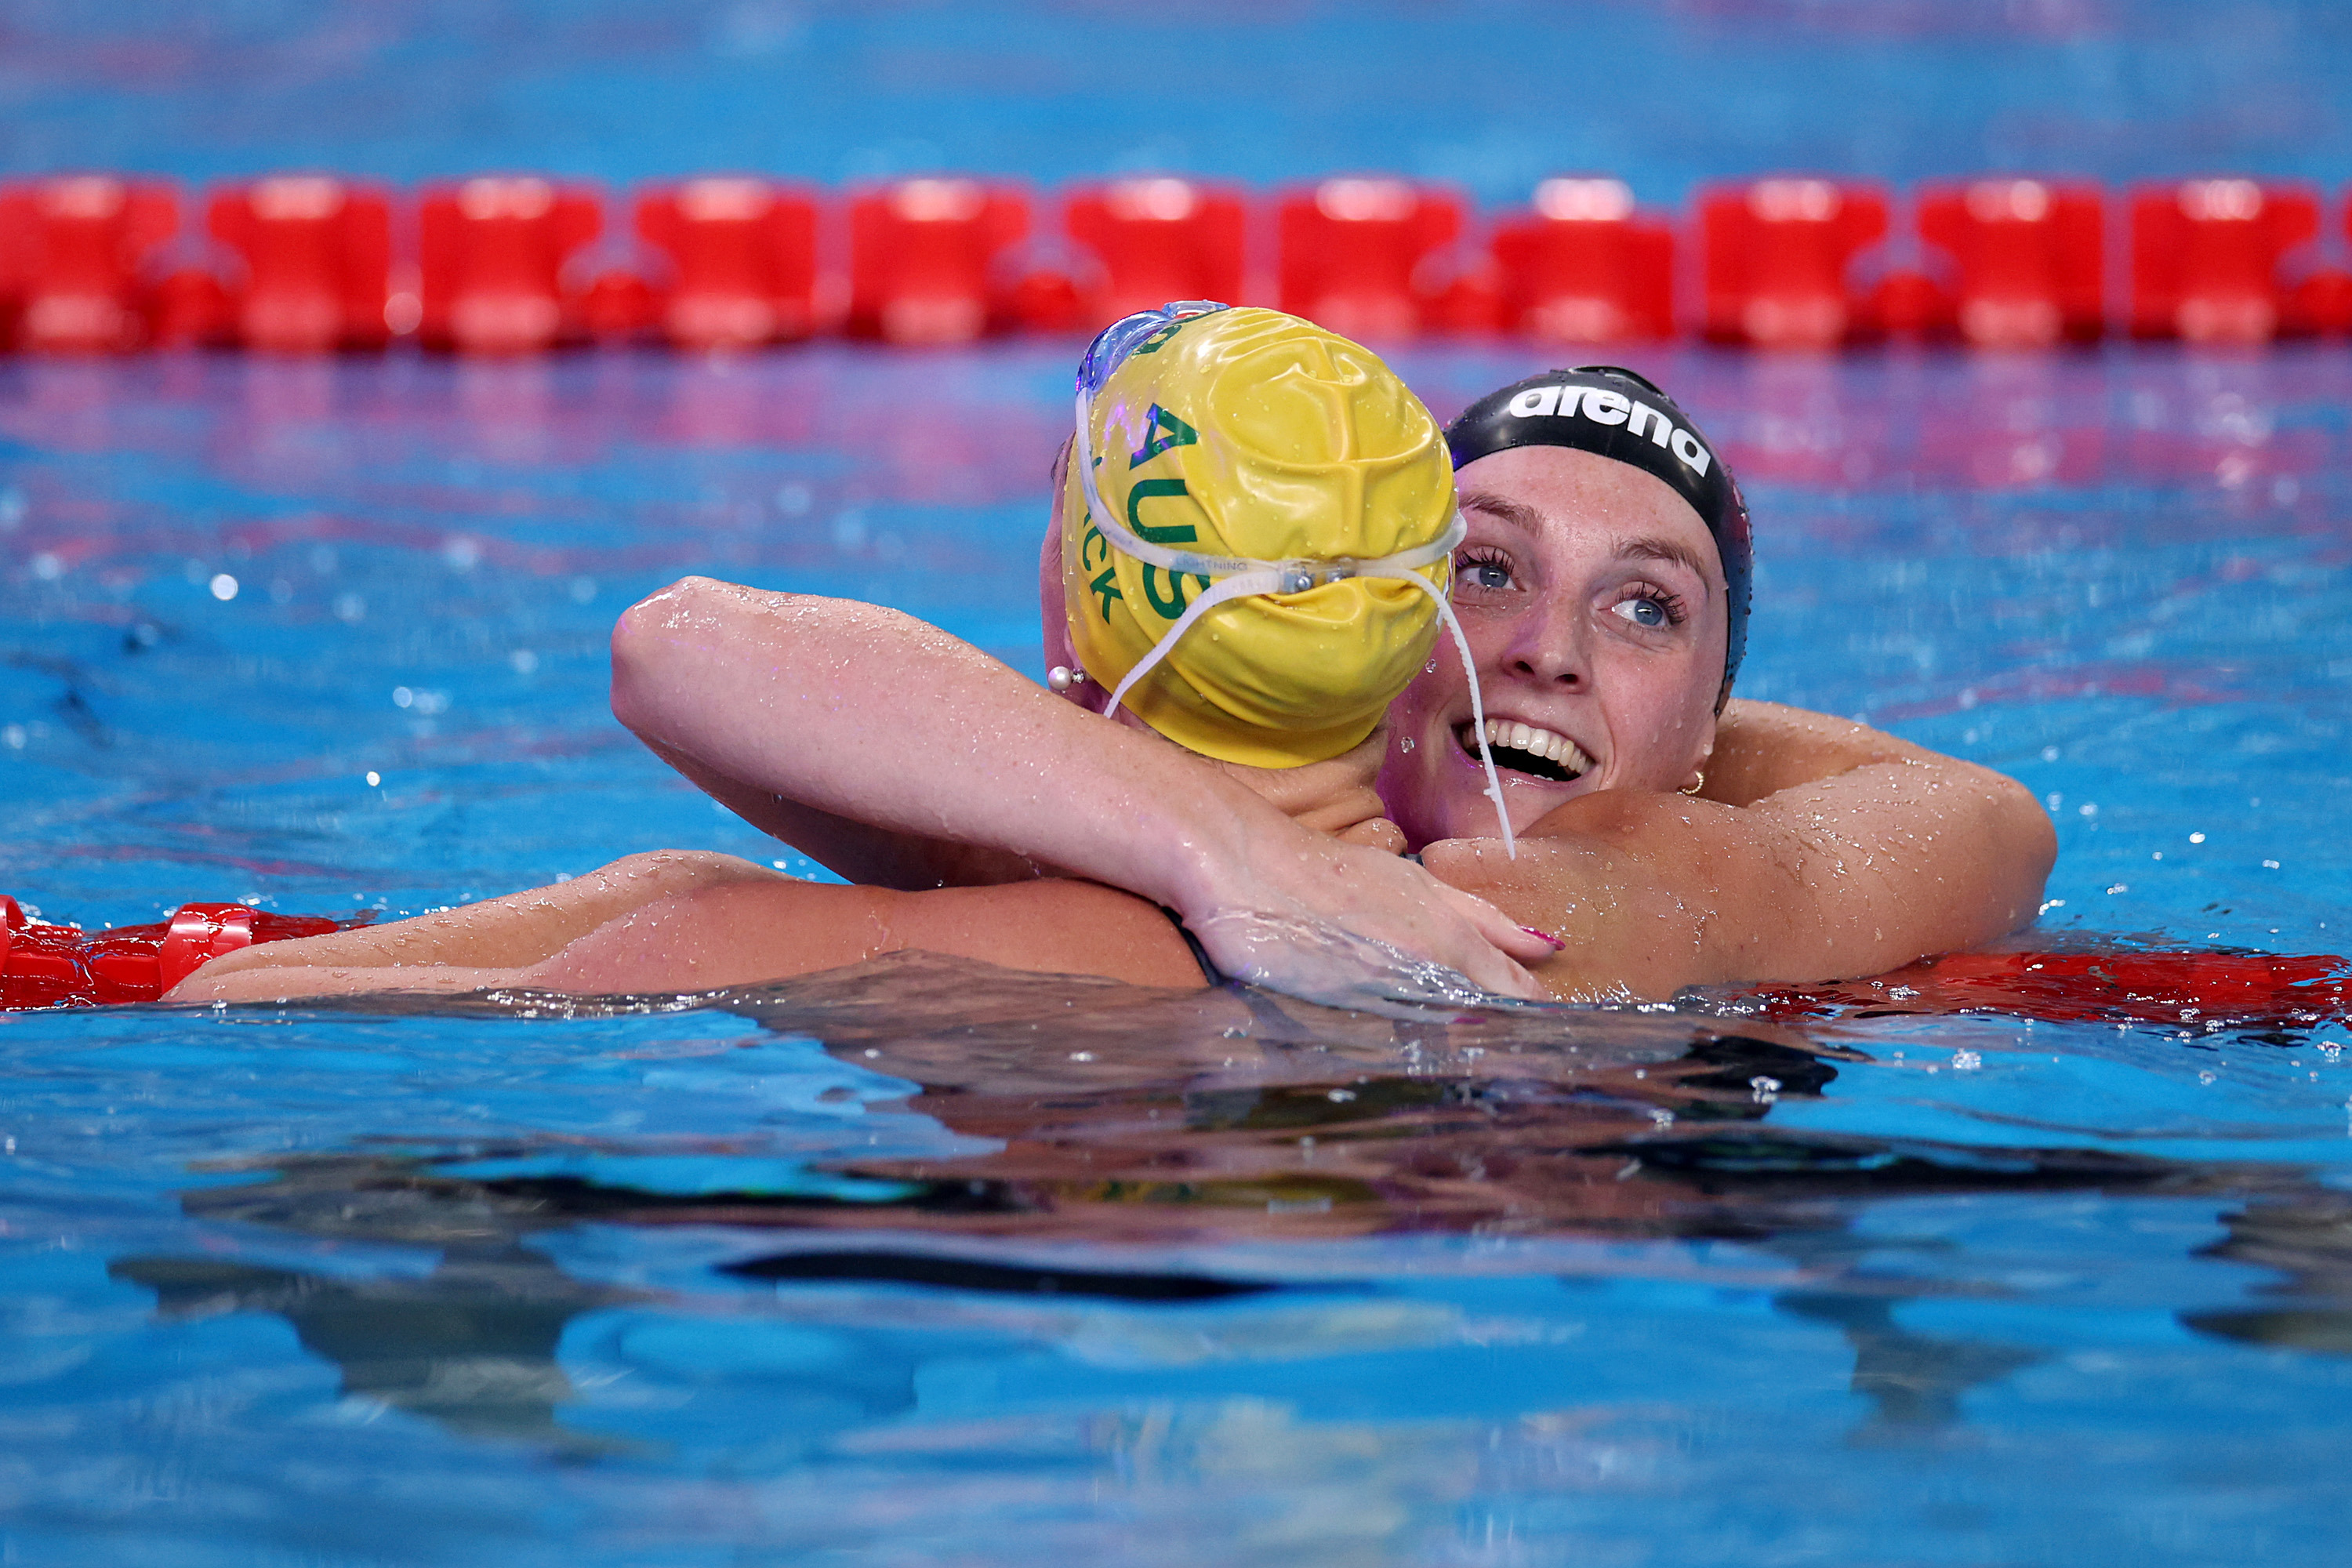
{"type": "Point", "coordinates": [1594, 602]}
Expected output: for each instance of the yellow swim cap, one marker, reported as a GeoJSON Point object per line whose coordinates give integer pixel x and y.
{"type": "Point", "coordinates": [1248, 444]}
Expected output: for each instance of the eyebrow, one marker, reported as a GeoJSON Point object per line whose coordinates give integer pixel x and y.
{"type": "Point", "coordinates": [1519, 515]}
{"type": "Point", "coordinates": [1648, 547]}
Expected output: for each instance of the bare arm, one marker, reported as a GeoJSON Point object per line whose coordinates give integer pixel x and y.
{"type": "Point", "coordinates": [1821, 849]}
{"type": "Point", "coordinates": [810, 716]}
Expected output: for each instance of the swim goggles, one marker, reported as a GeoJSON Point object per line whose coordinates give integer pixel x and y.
{"type": "Point", "coordinates": [1239, 576]}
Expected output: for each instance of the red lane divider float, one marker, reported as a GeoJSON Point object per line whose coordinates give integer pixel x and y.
{"type": "Point", "coordinates": [1157, 239]}
{"type": "Point", "coordinates": [1364, 257]}
{"type": "Point", "coordinates": [744, 255]}
{"type": "Point", "coordinates": [493, 254]}
{"type": "Point", "coordinates": [2027, 260]}
{"type": "Point", "coordinates": [924, 258]}
{"type": "Point", "coordinates": [1584, 265]}
{"type": "Point", "coordinates": [2231, 261]}
{"type": "Point", "coordinates": [2200, 992]}
{"type": "Point", "coordinates": [73, 255]}
{"type": "Point", "coordinates": [318, 260]}
{"type": "Point", "coordinates": [43, 966]}
{"type": "Point", "coordinates": [1779, 257]}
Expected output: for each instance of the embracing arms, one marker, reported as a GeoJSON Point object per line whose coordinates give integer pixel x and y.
{"type": "Point", "coordinates": [900, 756]}
{"type": "Point", "coordinates": [867, 739]}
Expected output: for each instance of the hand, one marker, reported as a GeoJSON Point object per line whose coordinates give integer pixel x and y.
{"type": "Point", "coordinates": [1334, 796]}
{"type": "Point", "coordinates": [1352, 926]}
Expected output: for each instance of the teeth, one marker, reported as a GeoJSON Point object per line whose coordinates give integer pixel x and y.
{"type": "Point", "coordinates": [1543, 744]}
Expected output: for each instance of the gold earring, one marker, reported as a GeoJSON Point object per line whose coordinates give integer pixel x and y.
{"type": "Point", "coordinates": [1697, 784]}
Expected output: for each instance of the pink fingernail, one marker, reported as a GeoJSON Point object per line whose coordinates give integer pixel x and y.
{"type": "Point", "coordinates": [1557, 945]}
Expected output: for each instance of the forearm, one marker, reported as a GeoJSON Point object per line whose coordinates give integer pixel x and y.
{"type": "Point", "coordinates": [858, 851]}
{"type": "Point", "coordinates": [812, 716]}
{"type": "Point", "coordinates": [1855, 874]}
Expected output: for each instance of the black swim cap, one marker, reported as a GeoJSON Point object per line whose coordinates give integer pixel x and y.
{"type": "Point", "coordinates": [1602, 409]}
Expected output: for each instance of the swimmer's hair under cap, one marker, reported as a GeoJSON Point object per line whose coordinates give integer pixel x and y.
{"type": "Point", "coordinates": [1250, 434]}
{"type": "Point", "coordinates": [1614, 413]}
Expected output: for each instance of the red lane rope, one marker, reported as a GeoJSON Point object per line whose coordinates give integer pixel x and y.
{"type": "Point", "coordinates": [45, 966]}
{"type": "Point", "coordinates": [2199, 992]}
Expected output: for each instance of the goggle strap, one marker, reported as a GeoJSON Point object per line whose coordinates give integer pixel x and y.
{"type": "Point", "coordinates": [1477, 705]}
{"type": "Point", "coordinates": [1238, 586]}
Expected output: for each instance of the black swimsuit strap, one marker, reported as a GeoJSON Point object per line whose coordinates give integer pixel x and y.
{"type": "Point", "coordinates": [1200, 954]}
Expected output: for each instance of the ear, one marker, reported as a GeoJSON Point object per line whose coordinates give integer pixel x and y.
{"type": "Point", "coordinates": [1053, 610]}
{"type": "Point", "coordinates": [1705, 748]}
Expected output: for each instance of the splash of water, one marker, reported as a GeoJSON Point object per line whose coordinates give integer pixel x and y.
{"type": "Point", "coordinates": [1320, 961]}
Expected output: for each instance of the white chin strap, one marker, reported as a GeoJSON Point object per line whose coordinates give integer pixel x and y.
{"type": "Point", "coordinates": [1238, 576]}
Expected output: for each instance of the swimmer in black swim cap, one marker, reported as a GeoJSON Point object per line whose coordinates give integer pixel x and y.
{"type": "Point", "coordinates": [1604, 586]}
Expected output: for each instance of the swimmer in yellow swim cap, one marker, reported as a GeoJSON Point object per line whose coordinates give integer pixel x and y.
{"type": "Point", "coordinates": [1257, 525]}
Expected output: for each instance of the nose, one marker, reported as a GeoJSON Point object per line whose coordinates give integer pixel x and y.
{"type": "Point", "coordinates": [1548, 648]}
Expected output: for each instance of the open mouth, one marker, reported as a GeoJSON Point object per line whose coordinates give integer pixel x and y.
{"type": "Point", "coordinates": [1523, 748]}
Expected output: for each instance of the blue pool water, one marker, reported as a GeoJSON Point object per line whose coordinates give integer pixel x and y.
{"type": "Point", "coordinates": [841, 1272]}
{"type": "Point", "coordinates": [845, 1272]}
{"type": "Point", "coordinates": [1664, 93]}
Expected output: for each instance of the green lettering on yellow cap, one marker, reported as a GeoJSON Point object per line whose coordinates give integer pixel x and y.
{"type": "Point", "coordinates": [1174, 605]}
{"type": "Point", "coordinates": [1171, 534]}
{"type": "Point", "coordinates": [1162, 431]}
{"type": "Point", "coordinates": [1105, 588]}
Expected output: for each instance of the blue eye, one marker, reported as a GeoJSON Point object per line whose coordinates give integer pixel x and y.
{"type": "Point", "coordinates": [1642, 611]}
{"type": "Point", "coordinates": [1483, 573]}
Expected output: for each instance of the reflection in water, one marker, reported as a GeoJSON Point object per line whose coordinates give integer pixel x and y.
{"type": "Point", "coordinates": [1135, 1122]}
{"type": "Point", "coordinates": [1913, 1381]}
{"type": "Point", "coordinates": [472, 1345]}
{"type": "Point", "coordinates": [2308, 1238]}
